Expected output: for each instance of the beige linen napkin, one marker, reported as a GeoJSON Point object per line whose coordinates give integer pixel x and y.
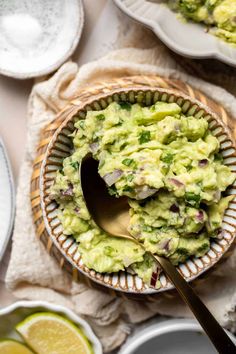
{"type": "Point", "coordinates": [33, 274]}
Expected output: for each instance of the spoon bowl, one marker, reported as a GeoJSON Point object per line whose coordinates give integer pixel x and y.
{"type": "Point", "coordinates": [112, 215]}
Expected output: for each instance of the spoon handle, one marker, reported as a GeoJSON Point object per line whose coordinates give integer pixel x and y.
{"type": "Point", "coordinates": [215, 332]}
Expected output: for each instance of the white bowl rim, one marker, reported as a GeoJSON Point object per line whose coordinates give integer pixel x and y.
{"type": "Point", "coordinates": [60, 61]}
{"type": "Point", "coordinates": [57, 308]}
{"type": "Point", "coordinates": [164, 327]}
{"type": "Point", "coordinates": [11, 183]}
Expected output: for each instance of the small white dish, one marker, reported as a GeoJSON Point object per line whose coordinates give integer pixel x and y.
{"type": "Point", "coordinates": [7, 199]}
{"type": "Point", "coordinates": [17, 312]}
{"type": "Point", "coordinates": [36, 37]}
{"type": "Point", "coordinates": [180, 336]}
{"type": "Point", "coordinates": [185, 38]}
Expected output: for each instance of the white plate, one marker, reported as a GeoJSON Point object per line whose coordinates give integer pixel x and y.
{"type": "Point", "coordinates": [7, 200]}
{"type": "Point", "coordinates": [180, 336]}
{"type": "Point", "coordinates": [37, 36]}
{"type": "Point", "coordinates": [17, 312]}
{"type": "Point", "coordinates": [185, 38]}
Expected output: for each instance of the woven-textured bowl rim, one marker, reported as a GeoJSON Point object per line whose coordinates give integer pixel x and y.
{"type": "Point", "coordinates": [80, 107]}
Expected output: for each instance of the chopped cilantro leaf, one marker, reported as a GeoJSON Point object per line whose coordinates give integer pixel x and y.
{"type": "Point", "coordinates": [127, 162]}
{"type": "Point", "coordinates": [125, 105]}
{"type": "Point", "coordinates": [75, 165]}
{"type": "Point", "coordinates": [152, 108]}
{"type": "Point", "coordinates": [123, 145]}
{"type": "Point", "coordinates": [128, 189]}
{"type": "Point", "coordinates": [203, 247]}
{"type": "Point", "coordinates": [120, 122]}
{"type": "Point", "coordinates": [192, 198]}
{"type": "Point", "coordinates": [218, 157]}
{"type": "Point", "coordinates": [130, 177]}
{"type": "Point", "coordinates": [147, 228]}
{"type": "Point", "coordinates": [62, 172]}
{"type": "Point", "coordinates": [167, 158]}
{"type": "Point", "coordinates": [100, 116]}
{"type": "Point", "coordinates": [81, 123]}
{"type": "Point", "coordinates": [113, 191]}
{"type": "Point", "coordinates": [109, 251]}
{"type": "Point", "coordinates": [144, 137]}
{"type": "Point", "coordinates": [182, 252]}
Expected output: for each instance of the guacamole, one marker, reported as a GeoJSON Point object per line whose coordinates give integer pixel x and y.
{"type": "Point", "coordinates": [170, 168]}
{"type": "Point", "coordinates": [218, 15]}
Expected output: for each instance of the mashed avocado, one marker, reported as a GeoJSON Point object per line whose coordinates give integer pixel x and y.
{"type": "Point", "coordinates": [218, 15]}
{"type": "Point", "coordinates": [168, 165]}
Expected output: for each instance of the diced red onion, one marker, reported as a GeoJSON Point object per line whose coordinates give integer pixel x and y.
{"type": "Point", "coordinates": [68, 192]}
{"type": "Point", "coordinates": [154, 279]}
{"type": "Point", "coordinates": [176, 182]}
{"type": "Point", "coordinates": [200, 216]}
{"type": "Point", "coordinates": [203, 163]}
{"type": "Point", "coordinates": [77, 210]}
{"type": "Point", "coordinates": [145, 192]}
{"type": "Point", "coordinates": [174, 208]}
{"type": "Point", "coordinates": [112, 177]}
{"type": "Point", "coordinates": [165, 244]}
{"type": "Point", "coordinates": [94, 147]}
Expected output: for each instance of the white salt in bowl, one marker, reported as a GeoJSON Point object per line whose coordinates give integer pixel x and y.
{"type": "Point", "coordinates": [37, 36]}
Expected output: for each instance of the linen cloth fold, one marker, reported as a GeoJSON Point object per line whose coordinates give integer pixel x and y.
{"type": "Point", "coordinates": [33, 274]}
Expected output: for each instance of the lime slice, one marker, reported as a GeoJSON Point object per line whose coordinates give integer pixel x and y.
{"type": "Point", "coordinates": [48, 333]}
{"type": "Point", "coordinates": [9, 346]}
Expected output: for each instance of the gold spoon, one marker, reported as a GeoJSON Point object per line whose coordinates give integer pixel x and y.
{"type": "Point", "coordinates": [112, 215]}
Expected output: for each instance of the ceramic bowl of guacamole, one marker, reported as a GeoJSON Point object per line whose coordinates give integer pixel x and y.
{"type": "Point", "coordinates": [172, 157]}
{"type": "Point", "coordinates": [195, 29]}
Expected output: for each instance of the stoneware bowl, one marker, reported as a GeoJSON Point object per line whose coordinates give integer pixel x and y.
{"type": "Point", "coordinates": [60, 147]}
{"type": "Point", "coordinates": [180, 336]}
{"type": "Point", "coordinates": [36, 37]}
{"type": "Point", "coordinates": [183, 37]}
{"type": "Point", "coordinates": [17, 312]}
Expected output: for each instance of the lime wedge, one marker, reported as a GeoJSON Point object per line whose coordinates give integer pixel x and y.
{"type": "Point", "coordinates": [48, 333]}
{"type": "Point", "coordinates": [9, 346]}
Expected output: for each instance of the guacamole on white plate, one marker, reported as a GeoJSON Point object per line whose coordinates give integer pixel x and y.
{"type": "Point", "coordinates": [168, 165]}
{"type": "Point", "coordinates": [218, 15]}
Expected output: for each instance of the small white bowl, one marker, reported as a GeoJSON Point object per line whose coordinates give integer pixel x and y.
{"type": "Point", "coordinates": [13, 314]}
{"type": "Point", "coordinates": [36, 37]}
{"type": "Point", "coordinates": [180, 336]}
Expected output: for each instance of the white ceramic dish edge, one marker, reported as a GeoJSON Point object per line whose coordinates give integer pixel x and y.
{"type": "Point", "coordinates": [9, 204]}
{"type": "Point", "coordinates": [215, 53]}
{"type": "Point", "coordinates": [57, 308]}
{"type": "Point", "coordinates": [164, 327]}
